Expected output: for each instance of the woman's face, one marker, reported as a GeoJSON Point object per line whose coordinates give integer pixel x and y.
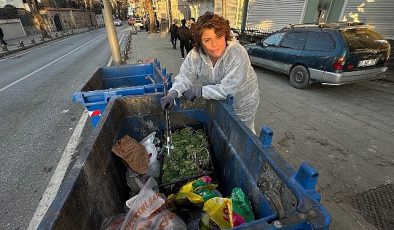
{"type": "Point", "coordinates": [212, 44]}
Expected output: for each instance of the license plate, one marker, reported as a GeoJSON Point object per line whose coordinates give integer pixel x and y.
{"type": "Point", "coordinates": [369, 62]}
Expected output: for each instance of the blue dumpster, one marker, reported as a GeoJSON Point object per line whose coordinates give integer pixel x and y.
{"type": "Point", "coordinates": [95, 187]}
{"type": "Point", "coordinates": [106, 82]}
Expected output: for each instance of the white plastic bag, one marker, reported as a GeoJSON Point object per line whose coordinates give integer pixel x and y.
{"type": "Point", "coordinates": [135, 181]}
{"type": "Point", "coordinates": [154, 165]}
{"type": "Point", "coordinates": [148, 210]}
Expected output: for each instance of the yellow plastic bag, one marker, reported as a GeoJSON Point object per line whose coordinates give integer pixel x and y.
{"type": "Point", "coordinates": [190, 191]}
{"type": "Point", "coordinates": [220, 211]}
{"type": "Point", "coordinates": [230, 212]}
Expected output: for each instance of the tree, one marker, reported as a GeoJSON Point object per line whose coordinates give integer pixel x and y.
{"type": "Point", "coordinates": [149, 8]}
{"type": "Point", "coordinates": [9, 11]}
{"type": "Point", "coordinates": [97, 8]}
{"type": "Point", "coordinates": [38, 19]}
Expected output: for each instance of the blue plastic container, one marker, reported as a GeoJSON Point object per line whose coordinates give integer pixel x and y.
{"type": "Point", "coordinates": [95, 187]}
{"type": "Point", "coordinates": [106, 82]}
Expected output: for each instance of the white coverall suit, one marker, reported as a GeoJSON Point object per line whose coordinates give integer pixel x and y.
{"type": "Point", "coordinates": [232, 74]}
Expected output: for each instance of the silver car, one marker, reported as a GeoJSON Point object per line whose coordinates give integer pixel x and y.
{"type": "Point", "coordinates": [117, 22]}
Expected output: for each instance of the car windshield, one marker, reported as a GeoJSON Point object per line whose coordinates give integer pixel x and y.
{"type": "Point", "coordinates": [364, 39]}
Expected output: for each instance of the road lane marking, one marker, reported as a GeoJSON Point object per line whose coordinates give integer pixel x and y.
{"type": "Point", "coordinates": [60, 171]}
{"type": "Point", "coordinates": [32, 50]}
{"type": "Point", "coordinates": [43, 67]}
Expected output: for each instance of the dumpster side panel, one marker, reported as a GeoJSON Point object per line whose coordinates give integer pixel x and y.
{"type": "Point", "coordinates": [118, 77]}
{"type": "Point", "coordinates": [138, 79]}
{"type": "Point", "coordinates": [95, 82]}
{"type": "Point", "coordinates": [95, 187]}
{"type": "Point", "coordinates": [238, 157]}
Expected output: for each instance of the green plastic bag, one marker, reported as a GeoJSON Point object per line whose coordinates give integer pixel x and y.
{"type": "Point", "coordinates": [241, 207]}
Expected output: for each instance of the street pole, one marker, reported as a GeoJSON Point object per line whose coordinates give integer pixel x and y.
{"type": "Point", "coordinates": [112, 38]}
{"type": "Point", "coordinates": [244, 15]}
{"type": "Point", "coordinates": [169, 14]}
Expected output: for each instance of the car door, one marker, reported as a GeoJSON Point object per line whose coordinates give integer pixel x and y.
{"type": "Point", "coordinates": [319, 53]}
{"type": "Point", "coordinates": [261, 54]}
{"type": "Point", "coordinates": [289, 50]}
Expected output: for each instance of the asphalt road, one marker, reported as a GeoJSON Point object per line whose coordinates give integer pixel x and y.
{"type": "Point", "coordinates": [37, 116]}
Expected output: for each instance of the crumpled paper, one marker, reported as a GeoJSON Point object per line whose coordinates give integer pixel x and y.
{"type": "Point", "coordinates": [133, 154]}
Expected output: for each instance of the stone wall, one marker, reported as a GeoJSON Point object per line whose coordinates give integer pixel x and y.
{"type": "Point", "coordinates": [12, 28]}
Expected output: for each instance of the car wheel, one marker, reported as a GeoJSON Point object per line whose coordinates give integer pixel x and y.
{"type": "Point", "coordinates": [299, 77]}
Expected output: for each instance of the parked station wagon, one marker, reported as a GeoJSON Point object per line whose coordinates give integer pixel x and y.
{"type": "Point", "coordinates": [327, 53]}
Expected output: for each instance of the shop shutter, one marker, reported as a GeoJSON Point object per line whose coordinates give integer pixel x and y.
{"type": "Point", "coordinates": [378, 14]}
{"type": "Point", "coordinates": [274, 14]}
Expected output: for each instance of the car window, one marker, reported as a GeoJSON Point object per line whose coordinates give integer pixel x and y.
{"type": "Point", "coordinates": [294, 40]}
{"type": "Point", "coordinates": [364, 38]}
{"type": "Point", "coordinates": [321, 41]}
{"type": "Point", "coordinates": [273, 40]}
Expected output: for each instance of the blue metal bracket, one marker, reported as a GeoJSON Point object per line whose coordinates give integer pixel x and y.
{"type": "Point", "coordinates": [230, 101]}
{"type": "Point", "coordinates": [307, 177]}
{"type": "Point", "coordinates": [266, 136]}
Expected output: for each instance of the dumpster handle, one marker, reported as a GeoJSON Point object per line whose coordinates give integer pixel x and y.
{"type": "Point", "coordinates": [266, 136]}
{"type": "Point", "coordinates": [229, 102]}
{"type": "Point", "coordinates": [151, 79]}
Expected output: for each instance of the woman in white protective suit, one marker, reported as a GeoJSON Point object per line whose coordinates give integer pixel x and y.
{"type": "Point", "coordinates": [222, 66]}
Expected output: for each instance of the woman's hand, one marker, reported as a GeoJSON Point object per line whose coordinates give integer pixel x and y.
{"type": "Point", "coordinates": [169, 100]}
{"type": "Point", "coordinates": [192, 93]}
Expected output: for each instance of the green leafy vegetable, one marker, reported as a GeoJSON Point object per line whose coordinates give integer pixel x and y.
{"type": "Point", "coordinates": [190, 156]}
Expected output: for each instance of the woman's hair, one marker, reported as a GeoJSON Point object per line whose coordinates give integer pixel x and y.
{"type": "Point", "coordinates": [213, 21]}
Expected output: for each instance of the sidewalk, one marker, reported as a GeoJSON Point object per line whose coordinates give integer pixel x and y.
{"type": "Point", "coordinates": [14, 46]}
{"type": "Point", "coordinates": [145, 46]}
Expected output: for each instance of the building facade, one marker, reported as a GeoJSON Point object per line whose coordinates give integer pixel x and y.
{"type": "Point", "coordinates": [273, 15]}
{"type": "Point", "coordinates": [199, 7]}
{"type": "Point", "coordinates": [67, 18]}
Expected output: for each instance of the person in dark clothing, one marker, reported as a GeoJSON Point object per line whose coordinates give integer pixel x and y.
{"type": "Point", "coordinates": [184, 36]}
{"type": "Point", "coordinates": [147, 25]}
{"type": "Point", "coordinates": [173, 31]}
{"type": "Point", "coordinates": [157, 23]}
{"type": "Point", "coordinates": [192, 30]}
{"type": "Point", "coordinates": [2, 42]}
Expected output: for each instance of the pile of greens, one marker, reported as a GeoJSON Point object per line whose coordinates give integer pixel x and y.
{"type": "Point", "coordinates": [190, 156]}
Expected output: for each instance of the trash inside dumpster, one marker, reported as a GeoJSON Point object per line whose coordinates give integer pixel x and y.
{"type": "Point", "coordinates": [189, 156]}
{"type": "Point", "coordinates": [106, 82]}
{"type": "Point", "coordinates": [96, 187]}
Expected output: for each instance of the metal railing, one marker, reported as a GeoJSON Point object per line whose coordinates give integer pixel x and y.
{"type": "Point", "coordinates": [251, 35]}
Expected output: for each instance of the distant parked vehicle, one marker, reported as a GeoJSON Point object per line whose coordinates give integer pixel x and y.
{"type": "Point", "coordinates": [328, 53]}
{"type": "Point", "coordinates": [138, 23]}
{"type": "Point", "coordinates": [117, 22]}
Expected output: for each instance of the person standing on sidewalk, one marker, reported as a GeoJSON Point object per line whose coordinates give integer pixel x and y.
{"type": "Point", "coordinates": [222, 66]}
{"type": "Point", "coordinates": [2, 42]}
{"type": "Point", "coordinates": [184, 37]}
{"type": "Point", "coordinates": [192, 31]}
{"type": "Point", "coordinates": [173, 32]}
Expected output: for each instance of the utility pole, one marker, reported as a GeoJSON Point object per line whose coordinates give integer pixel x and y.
{"type": "Point", "coordinates": [112, 38]}
{"type": "Point", "coordinates": [169, 13]}
{"type": "Point", "coordinates": [244, 15]}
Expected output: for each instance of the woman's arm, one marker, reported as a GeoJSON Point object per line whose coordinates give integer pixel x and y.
{"type": "Point", "coordinates": [187, 74]}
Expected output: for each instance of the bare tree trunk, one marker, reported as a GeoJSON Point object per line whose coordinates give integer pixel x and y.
{"type": "Point", "coordinates": [91, 5]}
{"type": "Point", "coordinates": [152, 24]}
{"type": "Point", "coordinates": [38, 19]}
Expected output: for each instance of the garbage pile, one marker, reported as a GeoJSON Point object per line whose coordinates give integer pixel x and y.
{"type": "Point", "coordinates": [198, 204]}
